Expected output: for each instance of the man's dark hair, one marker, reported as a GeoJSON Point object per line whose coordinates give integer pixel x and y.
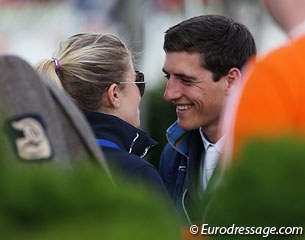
{"type": "Point", "coordinates": [221, 42]}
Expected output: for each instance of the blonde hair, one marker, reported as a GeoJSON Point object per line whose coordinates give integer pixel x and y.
{"type": "Point", "coordinates": [89, 63]}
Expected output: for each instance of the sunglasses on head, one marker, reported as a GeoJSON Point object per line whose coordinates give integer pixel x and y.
{"type": "Point", "coordinates": [140, 82]}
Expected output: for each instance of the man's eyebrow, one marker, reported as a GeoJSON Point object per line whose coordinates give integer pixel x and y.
{"type": "Point", "coordinates": [180, 75]}
{"type": "Point", "coordinates": [185, 76]}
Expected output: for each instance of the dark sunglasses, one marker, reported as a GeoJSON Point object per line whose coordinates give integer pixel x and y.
{"type": "Point", "coordinates": [140, 82]}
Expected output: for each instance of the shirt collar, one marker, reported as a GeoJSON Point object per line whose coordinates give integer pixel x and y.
{"type": "Point", "coordinates": [218, 145]}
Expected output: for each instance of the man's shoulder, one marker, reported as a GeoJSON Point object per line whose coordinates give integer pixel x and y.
{"type": "Point", "coordinates": [169, 153]}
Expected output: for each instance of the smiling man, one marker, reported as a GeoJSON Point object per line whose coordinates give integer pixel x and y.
{"type": "Point", "coordinates": [204, 57]}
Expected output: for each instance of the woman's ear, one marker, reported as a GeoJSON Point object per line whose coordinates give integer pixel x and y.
{"type": "Point", "coordinates": [113, 95]}
{"type": "Point", "coordinates": [233, 78]}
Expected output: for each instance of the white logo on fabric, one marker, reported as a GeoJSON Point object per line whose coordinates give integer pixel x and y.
{"type": "Point", "coordinates": [34, 144]}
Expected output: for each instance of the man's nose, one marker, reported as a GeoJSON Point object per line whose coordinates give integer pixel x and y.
{"type": "Point", "coordinates": [172, 90]}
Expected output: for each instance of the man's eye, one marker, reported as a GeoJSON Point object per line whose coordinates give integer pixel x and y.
{"type": "Point", "coordinates": [186, 81]}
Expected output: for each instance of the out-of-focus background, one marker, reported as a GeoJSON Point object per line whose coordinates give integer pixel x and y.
{"type": "Point", "coordinates": [32, 30]}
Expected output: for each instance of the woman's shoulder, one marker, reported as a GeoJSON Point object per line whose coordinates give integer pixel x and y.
{"type": "Point", "coordinates": [127, 162]}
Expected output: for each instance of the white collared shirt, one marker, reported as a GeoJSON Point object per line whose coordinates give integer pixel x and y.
{"type": "Point", "coordinates": [210, 160]}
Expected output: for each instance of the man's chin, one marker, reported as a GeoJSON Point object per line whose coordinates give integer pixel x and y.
{"type": "Point", "coordinates": [186, 127]}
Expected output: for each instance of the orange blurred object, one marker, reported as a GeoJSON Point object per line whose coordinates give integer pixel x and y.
{"type": "Point", "coordinates": [272, 100]}
{"type": "Point", "coordinates": [186, 235]}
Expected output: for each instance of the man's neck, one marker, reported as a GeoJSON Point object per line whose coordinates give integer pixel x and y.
{"type": "Point", "coordinates": [217, 144]}
{"type": "Point", "coordinates": [210, 135]}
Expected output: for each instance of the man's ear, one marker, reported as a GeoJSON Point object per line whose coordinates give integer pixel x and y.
{"type": "Point", "coordinates": [233, 79]}
{"type": "Point", "coordinates": [113, 95]}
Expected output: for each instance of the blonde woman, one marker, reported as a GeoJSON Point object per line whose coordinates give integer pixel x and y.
{"type": "Point", "coordinates": [97, 72]}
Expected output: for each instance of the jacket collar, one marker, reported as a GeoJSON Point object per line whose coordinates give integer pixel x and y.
{"type": "Point", "coordinates": [119, 132]}
{"type": "Point", "coordinates": [178, 138]}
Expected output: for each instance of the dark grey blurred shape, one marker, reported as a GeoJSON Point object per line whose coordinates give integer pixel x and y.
{"type": "Point", "coordinates": [40, 122]}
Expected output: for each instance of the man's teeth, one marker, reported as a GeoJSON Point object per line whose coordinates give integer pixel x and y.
{"type": "Point", "coordinates": [185, 107]}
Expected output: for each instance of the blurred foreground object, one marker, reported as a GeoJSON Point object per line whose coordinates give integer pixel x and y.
{"type": "Point", "coordinates": [50, 203]}
{"type": "Point", "coordinates": [42, 124]}
{"type": "Point", "coordinates": [265, 188]}
{"type": "Point", "coordinates": [270, 102]}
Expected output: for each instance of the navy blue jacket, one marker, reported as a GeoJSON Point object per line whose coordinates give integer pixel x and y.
{"type": "Point", "coordinates": [179, 169]}
{"type": "Point", "coordinates": [124, 147]}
